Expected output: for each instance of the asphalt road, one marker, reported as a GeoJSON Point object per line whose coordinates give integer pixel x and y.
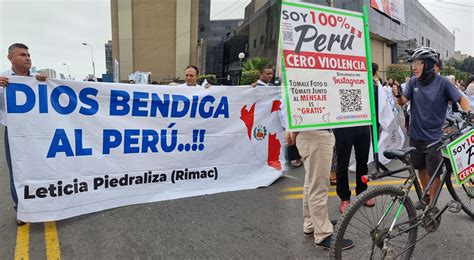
{"type": "Point", "coordinates": [264, 223]}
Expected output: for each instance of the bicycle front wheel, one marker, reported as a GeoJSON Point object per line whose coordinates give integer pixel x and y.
{"type": "Point", "coordinates": [464, 194]}
{"type": "Point", "coordinates": [369, 228]}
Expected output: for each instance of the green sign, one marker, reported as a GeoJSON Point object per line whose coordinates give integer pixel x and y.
{"type": "Point", "coordinates": [461, 155]}
{"type": "Point", "coordinates": [326, 67]}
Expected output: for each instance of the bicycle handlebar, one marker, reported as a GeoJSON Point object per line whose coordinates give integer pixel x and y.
{"type": "Point", "coordinates": [466, 116]}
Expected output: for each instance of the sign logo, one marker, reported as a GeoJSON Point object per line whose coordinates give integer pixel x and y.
{"type": "Point", "coordinates": [260, 132]}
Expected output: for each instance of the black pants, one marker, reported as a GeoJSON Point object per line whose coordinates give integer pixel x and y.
{"type": "Point", "coordinates": [293, 153]}
{"type": "Point", "coordinates": [359, 137]}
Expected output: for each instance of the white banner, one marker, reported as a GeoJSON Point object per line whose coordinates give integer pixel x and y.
{"type": "Point", "coordinates": [393, 8]}
{"type": "Point", "coordinates": [81, 147]}
{"type": "Point", "coordinates": [391, 136]}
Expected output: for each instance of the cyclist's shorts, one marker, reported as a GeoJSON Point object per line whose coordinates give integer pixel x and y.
{"type": "Point", "coordinates": [424, 158]}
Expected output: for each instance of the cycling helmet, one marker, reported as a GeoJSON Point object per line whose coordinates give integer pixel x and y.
{"type": "Point", "coordinates": [424, 53]}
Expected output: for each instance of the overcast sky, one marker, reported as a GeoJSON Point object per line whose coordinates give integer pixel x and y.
{"type": "Point", "coordinates": [55, 29]}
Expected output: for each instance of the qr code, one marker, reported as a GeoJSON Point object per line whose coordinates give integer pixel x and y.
{"type": "Point", "coordinates": [287, 36]}
{"type": "Point", "coordinates": [350, 100]}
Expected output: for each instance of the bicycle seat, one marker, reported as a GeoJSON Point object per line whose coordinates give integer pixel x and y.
{"type": "Point", "coordinates": [399, 154]}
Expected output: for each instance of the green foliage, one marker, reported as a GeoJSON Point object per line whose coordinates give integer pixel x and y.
{"type": "Point", "coordinates": [211, 78]}
{"type": "Point", "coordinates": [453, 62]}
{"type": "Point", "coordinates": [397, 72]}
{"type": "Point", "coordinates": [451, 70]}
{"type": "Point", "coordinates": [467, 65]}
{"type": "Point", "coordinates": [249, 77]}
{"type": "Point", "coordinates": [255, 63]}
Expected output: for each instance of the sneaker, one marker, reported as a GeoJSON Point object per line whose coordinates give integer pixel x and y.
{"type": "Point", "coordinates": [344, 205]}
{"type": "Point", "coordinates": [296, 163]}
{"type": "Point", "coordinates": [326, 243]}
{"type": "Point", "coordinates": [20, 223]}
{"type": "Point", "coordinates": [333, 222]}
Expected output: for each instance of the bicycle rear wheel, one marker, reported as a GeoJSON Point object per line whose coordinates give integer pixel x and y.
{"type": "Point", "coordinates": [464, 194]}
{"type": "Point", "coordinates": [369, 230]}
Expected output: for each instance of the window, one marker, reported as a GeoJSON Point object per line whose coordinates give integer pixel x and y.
{"type": "Point", "coordinates": [428, 42]}
{"type": "Point", "coordinates": [422, 40]}
{"type": "Point", "coordinates": [202, 28]}
{"type": "Point", "coordinates": [255, 43]}
{"type": "Point", "coordinates": [446, 54]}
{"type": "Point", "coordinates": [262, 39]}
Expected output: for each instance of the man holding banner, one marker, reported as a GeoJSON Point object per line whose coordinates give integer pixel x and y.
{"type": "Point", "coordinates": [191, 76]}
{"type": "Point", "coordinates": [21, 63]}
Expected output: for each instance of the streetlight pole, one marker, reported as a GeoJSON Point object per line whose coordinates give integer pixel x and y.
{"type": "Point", "coordinates": [241, 57]}
{"type": "Point", "coordinates": [92, 55]}
{"type": "Point", "coordinates": [68, 70]}
{"type": "Point", "coordinates": [454, 31]}
{"type": "Point", "coordinates": [454, 35]}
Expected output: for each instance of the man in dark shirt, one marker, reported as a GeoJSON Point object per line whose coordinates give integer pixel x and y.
{"type": "Point", "coordinates": [429, 94]}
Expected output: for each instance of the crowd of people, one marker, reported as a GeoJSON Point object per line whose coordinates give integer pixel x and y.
{"type": "Point", "coordinates": [325, 154]}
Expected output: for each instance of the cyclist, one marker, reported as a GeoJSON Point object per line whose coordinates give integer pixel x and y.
{"type": "Point", "coordinates": [428, 94]}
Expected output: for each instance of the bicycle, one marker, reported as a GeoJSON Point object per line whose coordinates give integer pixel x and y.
{"type": "Point", "coordinates": [389, 230]}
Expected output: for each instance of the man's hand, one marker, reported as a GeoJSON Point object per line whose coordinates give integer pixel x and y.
{"type": "Point", "coordinates": [290, 138]}
{"type": "Point", "coordinates": [41, 77]}
{"type": "Point", "coordinates": [3, 82]}
{"type": "Point", "coordinates": [396, 90]}
{"type": "Point", "coordinates": [254, 84]}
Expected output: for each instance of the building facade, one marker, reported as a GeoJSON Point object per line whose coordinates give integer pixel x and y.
{"type": "Point", "coordinates": [212, 34]}
{"type": "Point", "coordinates": [109, 64]}
{"type": "Point", "coordinates": [160, 37]}
{"type": "Point", "coordinates": [50, 73]}
{"type": "Point", "coordinates": [460, 56]}
{"type": "Point", "coordinates": [388, 38]}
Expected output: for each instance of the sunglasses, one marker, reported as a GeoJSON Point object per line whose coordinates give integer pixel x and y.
{"type": "Point", "coordinates": [417, 62]}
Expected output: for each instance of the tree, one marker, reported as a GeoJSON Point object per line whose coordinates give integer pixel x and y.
{"type": "Point", "coordinates": [255, 63]}
{"type": "Point", "coordinates": [249, 77]}
{"type": "Point", "coordinates": [467, 65]}
{"type": "Point", "coordinates": [211, 79]}
{"type": "Point", "coordinates": [397, 72]}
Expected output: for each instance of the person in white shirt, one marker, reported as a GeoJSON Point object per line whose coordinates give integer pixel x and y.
{"type": "Point", "coordinates": [191, 76]}
{"type": "Point", "coordinates": [265, 80]}
{"type": "Point", "coordinates": [266, 76]}
{"type": "Point", "coordinates": [21, 63]}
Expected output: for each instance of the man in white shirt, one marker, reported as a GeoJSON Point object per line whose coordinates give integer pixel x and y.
{"type": "Point", "coordinates": [191, 76]}
{"type": "Point", "coordinates": [266, 75]}
{"type": "Point", "coordinates": [21, 63]}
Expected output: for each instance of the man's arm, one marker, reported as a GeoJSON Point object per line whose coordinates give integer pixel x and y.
{"type": "Point", "coordinates": [464, 103]}
{"type": "Point", "coordinates": [401, 100]}
{"type": "Point", "coordinates": [4, 80]}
